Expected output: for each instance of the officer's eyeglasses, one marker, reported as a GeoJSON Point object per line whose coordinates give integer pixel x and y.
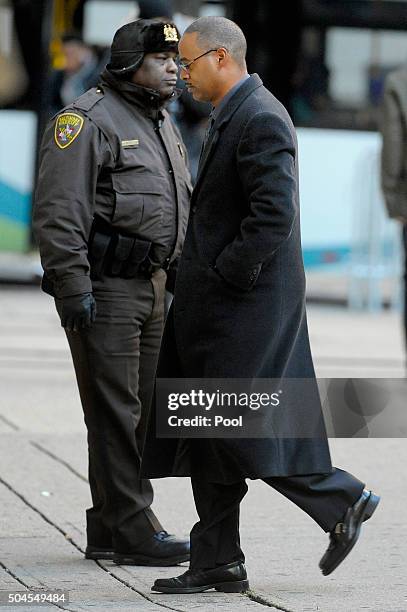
{"type": "Point", "coordinates": [186, 65]}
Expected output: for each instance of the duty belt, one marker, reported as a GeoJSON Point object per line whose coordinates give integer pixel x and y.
{"type": "Point", "coordinates": [117, 254]}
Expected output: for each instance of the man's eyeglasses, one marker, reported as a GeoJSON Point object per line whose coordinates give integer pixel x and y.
{"type": "Point", "coordinates": [186, 65]}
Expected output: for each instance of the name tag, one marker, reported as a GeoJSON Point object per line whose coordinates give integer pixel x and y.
{"type": "Point", "coordinates": [130, 144]}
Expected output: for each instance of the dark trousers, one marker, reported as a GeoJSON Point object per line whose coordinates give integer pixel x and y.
{"type": "Point", "coordinates": [215, 538]}
{"type": "Point", "coordinates": [115, 363]}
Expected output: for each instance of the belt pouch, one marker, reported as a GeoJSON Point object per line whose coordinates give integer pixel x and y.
{"type": "Point", "coordinates": [99, 246]}
{"type": "Point", "coordinates": [121, 253]}
{"type": "Point", "coordinates": [138, 254]}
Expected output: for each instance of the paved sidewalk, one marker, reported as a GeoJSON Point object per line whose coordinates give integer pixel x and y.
{"type": "Point", "coordinates": [43, 487]}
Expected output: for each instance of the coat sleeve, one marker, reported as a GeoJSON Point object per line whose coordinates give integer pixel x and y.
{"type": "Point", "coordinates": [64, 206]}
{"type": "Point", "coordinates": [392, 145]}
{"type": "Point", "coordinates": [266, 166]}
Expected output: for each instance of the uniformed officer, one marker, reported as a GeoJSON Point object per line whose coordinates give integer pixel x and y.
{"type": "Point", "coordinates": [110, 217]}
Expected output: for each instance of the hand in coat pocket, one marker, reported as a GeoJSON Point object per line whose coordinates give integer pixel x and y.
{"type": "Point", "coordinates": [230, 284]}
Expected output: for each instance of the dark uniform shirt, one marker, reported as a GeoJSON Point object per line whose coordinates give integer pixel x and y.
{"type": "Point", "coordinates": [116, 154]}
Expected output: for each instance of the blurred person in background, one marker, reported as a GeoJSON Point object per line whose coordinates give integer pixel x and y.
{"type": "Point", "coordinates": [164, 10]}
{"type": "Point", "coordinates": [156, 9]}
{"type": "Point", "coordinates": [394, 157]}
{"type": "Point", "coordinates": [80, 73]}
{"type": "Point", "coordinates": [13, 74]}
{"type": "Point", "coordinates": [110, 216]}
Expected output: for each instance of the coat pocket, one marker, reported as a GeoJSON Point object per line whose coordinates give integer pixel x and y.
{"type": "Point", "coordinates": [138, 201]}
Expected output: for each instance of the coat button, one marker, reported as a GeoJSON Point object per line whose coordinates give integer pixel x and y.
{"type": "Point", "coordinates": [171, 171]}
{"type": "Point", "coordinates": [193, 209]}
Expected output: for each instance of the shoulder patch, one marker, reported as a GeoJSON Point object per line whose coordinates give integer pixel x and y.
{"type": "Point", "coordinates": [67, 128]}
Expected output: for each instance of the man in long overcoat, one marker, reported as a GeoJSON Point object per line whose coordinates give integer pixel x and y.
{"type": "Point", "coordinates": [239, 312]}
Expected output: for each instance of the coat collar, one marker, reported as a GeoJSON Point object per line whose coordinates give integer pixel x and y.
{"type": "Point", "coordinates": [248, 87]}
{"type": "Point", "coordinates": [252, 83]}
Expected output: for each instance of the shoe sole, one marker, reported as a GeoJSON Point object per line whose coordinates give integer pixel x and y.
{"type": "Point", "coordinates": [141, 560]}
{"type": "Point", "coordinates": [367, 512]}
{"type": "Point", "coordinates": [95, 556]}
{"type": "Point", "coordinates": [239, 586]}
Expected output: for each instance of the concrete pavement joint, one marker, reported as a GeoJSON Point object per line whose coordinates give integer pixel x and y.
{"type": "Point", "coordinates": [58, 460]}
{"type": "Point", "coordinates": [9, 423]}
{"type": "Point", "coordinates": [249, 594]}
{"type": "Point", "coordinates": [265, 602]}
{"type": "Point", "coordinates": [127, 584]}
{"type": "Point", "coordinates": [71, 541]}
{"type": "Point", "coordinates": [41, 514]}
{"type": "Point", "coordinates": [17, 579]}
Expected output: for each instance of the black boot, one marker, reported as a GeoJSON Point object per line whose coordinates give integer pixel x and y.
{"type": "Point", "coordinates": [161, 549]}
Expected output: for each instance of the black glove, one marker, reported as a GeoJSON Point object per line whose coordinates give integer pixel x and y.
{"type": "Point", "coordinates": [78, 311]}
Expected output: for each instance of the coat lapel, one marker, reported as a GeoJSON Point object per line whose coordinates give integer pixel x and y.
{"type": "Point", "coordinates": [224, 117]}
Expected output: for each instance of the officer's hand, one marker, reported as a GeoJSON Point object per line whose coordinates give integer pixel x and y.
{"type": "Point", "coordinates": [78, 311]}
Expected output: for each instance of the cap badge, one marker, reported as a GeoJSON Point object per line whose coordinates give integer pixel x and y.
{"type": "Point", "coordinates": [170, 33]}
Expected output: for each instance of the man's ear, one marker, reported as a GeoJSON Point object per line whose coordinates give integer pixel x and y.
{"type": "Point", "coordinates": [222, 53]}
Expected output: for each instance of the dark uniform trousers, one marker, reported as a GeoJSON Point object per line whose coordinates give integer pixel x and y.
{"type": "Point", "coordinates": [115, 363]}
{"type": "Point", "coordinates": [215, 538]}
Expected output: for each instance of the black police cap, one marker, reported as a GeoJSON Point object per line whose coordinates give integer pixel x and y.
{"type": "Point", "coordinates": [133, 40]}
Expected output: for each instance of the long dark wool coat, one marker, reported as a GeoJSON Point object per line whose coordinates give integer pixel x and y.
{"type": "Point", "coordinates": [239, 306]}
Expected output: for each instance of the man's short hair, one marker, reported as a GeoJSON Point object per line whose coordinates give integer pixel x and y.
{"type": "Point", "coordinates": [215, 32]}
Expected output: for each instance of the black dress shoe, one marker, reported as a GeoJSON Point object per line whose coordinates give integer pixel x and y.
{"type": "Point", "coordinates": [345, 535]}
{"type": "Point", "coordinates": [231, 578]}
{"type": "Point", "coordinates": [97, 552]}
{"type": "Point", "coordinates": [161, 549]}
